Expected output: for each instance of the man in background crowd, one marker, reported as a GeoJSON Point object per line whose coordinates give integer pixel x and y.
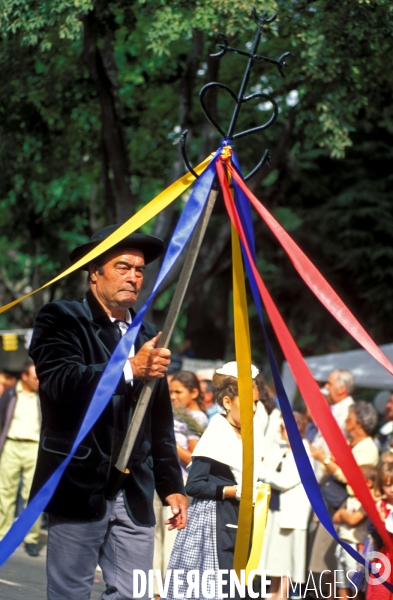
{"type": "Point", "coordinates": [20, 421]}
{"type": "Point", "coordinates": [340, 385]}
{"type": "Point", "coordinates": [337, 389]}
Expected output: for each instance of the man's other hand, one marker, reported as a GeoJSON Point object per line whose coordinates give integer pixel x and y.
{"type": "Point", "coordinates": [150, 362]}
{"type": "Point", "coordinates": [178, 504]}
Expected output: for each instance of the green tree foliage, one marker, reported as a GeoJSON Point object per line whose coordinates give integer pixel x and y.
{"type": "Point", "coordinates": [94, 93]}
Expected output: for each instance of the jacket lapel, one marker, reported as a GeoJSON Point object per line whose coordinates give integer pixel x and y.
{"type": "Point", "coordinates": [106, 331]}
{"type": "Point", "coordinates": [142, 338]}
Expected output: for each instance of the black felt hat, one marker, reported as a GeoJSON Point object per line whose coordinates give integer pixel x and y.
{"type": "Point", "coordinates": [151, 246]}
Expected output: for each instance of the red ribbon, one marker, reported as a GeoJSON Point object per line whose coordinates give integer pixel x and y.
{"type": "Point", "coordinates": [315, 281]}
{"type": "Point", "coordinates": [309, 389]}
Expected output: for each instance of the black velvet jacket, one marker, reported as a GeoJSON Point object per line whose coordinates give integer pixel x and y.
{"type": "Point", "coordinates": [71, 345]}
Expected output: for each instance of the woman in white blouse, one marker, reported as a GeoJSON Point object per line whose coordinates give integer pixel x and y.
{"type": "Point", "coordinates": [284, 550]}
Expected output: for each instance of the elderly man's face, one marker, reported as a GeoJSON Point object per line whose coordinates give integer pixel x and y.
{"type": "Point", "coordinates": [118, 281]}
{"type": "Point", "coordinates": [337, 391]}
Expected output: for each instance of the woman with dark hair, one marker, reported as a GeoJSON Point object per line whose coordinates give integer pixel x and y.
{"type": "Point", "coordinates": [214, 482]}
{"type": "Point", "coordinates": [190, 419]}
{"type": "Point", "coordinates": [266, 395]}
{"type": "Point", "coordinates": [188, 392]}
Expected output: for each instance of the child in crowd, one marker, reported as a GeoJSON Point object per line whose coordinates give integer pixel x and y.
{"type": "Point", "coordinates": [351, 526]}
{"type": "Point", "coordinates": [384, 490]}
{"type": "Point", "coordinates": [214, 483]}
{"type": "Point", "coordinates": [387, 457]}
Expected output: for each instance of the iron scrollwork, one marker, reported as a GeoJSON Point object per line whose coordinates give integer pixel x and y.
{"type": "Point", "coordinates": [241, 98]}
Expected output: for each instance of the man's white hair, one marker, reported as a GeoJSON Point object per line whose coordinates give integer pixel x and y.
{"type": "Point", "coordinates": [346, 378]}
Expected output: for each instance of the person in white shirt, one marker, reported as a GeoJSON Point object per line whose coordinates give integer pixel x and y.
{"type": "Point", "coordinates": [284, 549]}
{"type": "Point", "coordinates": [340, 385]}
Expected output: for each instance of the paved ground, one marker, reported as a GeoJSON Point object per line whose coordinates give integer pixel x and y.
{"type": "Point", "coordinates": [24, 578]}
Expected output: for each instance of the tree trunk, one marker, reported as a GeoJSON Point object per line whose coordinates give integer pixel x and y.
{"type": "Point", "coordinates": [187, 87]}
{"type": "Point", "coordinates": [210, 136]}
{"type": "Point", "coordinates": [207, 318]}
{"type": "Point", "coordinates": [102, 70]}
{"type": "Point", "coordinates": [165, 221]}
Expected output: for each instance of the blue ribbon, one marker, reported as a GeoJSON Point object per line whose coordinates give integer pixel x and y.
{"type": "Point", "coordinates": [114, 369]}
{"type": "Point", "coordinates": [301, 457]}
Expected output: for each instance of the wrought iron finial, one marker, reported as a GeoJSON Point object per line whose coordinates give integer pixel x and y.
{"type": "Point", "coordinates": [241, 98]}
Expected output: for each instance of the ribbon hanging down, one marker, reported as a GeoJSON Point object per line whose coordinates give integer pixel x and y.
{"type": "Point", "coordinates": [301, 457]}
{"type": "Point", "coordinates": [251, 524]}
{"type": "Point", "coordinates": [114, 368]}
{"type": "Point", "coordinates": [308, 387]}
{"type": "Point", "coordinates": [149, 211]}
{"type": "Point", "coordinates": [259, 527]}
{"type": "Point", "coordinates": [243, 358]}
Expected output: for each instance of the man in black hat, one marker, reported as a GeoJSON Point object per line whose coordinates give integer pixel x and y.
{"type": "Point", "coordinates": [71, 345]}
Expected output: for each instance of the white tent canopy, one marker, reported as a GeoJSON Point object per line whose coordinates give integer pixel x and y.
{"type": "Point", "coordinates": [366, 370]}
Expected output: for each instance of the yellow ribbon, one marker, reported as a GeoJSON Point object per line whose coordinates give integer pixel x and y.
{"type": "Point", "coordinates": [260, 520]}
{"type": "Point", "coordinates": [149, 211]}
{"type": "Point", "coordinates": [249, 523]}
{"type": "Point", "coordinates": [243, 358]}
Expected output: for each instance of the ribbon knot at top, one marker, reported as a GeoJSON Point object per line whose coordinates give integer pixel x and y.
{"type": "Point", "coordinates": [241, 98]}
{"type": "Point", "coordinates": [226, 153]}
